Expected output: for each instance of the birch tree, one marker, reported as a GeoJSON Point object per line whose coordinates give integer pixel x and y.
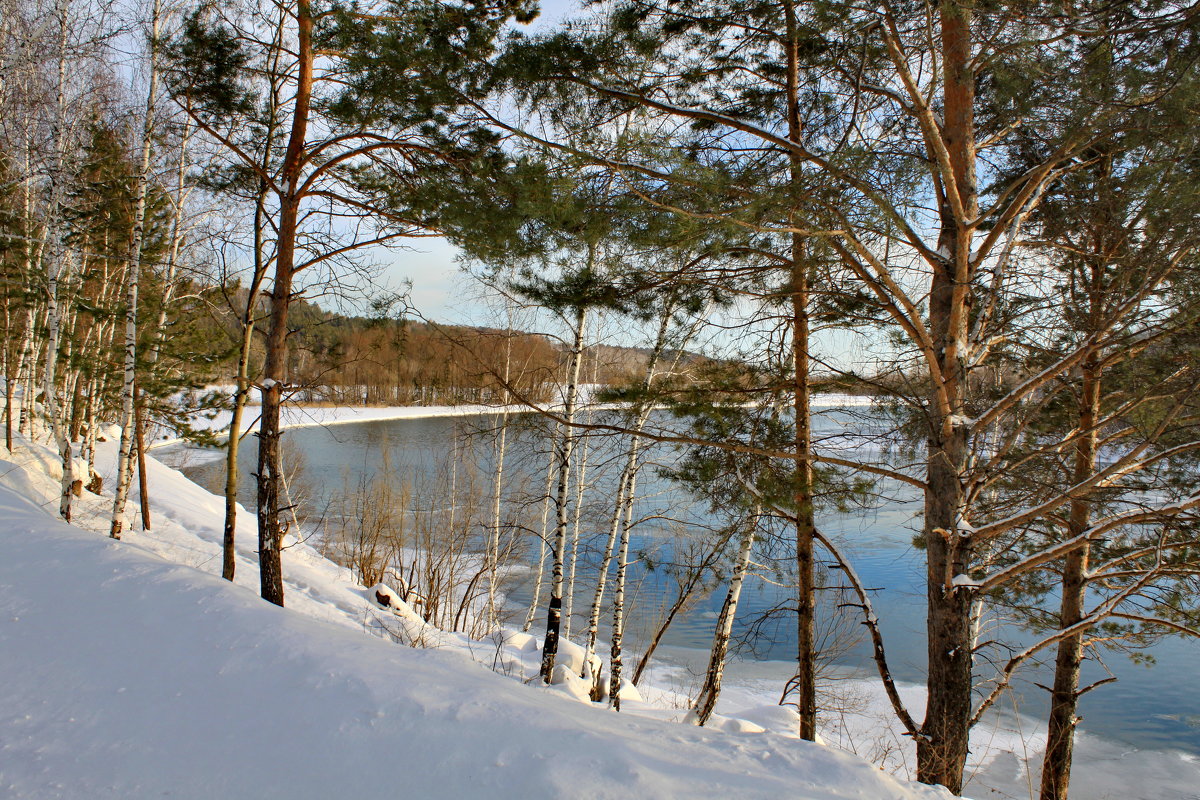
{"type": "Point", "coordinates": [132, 278]}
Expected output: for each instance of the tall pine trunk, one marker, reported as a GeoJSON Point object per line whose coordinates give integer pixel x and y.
{"type": "Point", "coordinates": [248, 325]}
{"type": "Point", "coordinates": [242, 394]}
{"type": "Point", "coordinates": [943, 744]}
{"type": "Point", "coordinates": [1065, 691]}
{"type": "Point", "coordinates": [270, 463]}
{"type": "Point", "coordinates": [802, 499]}
{"type": "Point", "coordinates": [805, 680]}
{"type": "Point", "coordinates": [1064, 694]}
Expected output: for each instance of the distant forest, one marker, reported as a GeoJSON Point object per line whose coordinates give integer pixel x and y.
{"type": "Point", "coordinates": [360, 360]}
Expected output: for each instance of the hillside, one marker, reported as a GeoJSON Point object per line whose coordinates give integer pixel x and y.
{"type": "Point", "coordinates": [133, 675]}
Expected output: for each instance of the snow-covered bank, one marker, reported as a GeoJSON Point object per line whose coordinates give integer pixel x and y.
{"type": "Point", "coordinates": [299, 415]}
{"type": "Point", "coordinates": [187, 531]}
{"type": "Point", "coordinates": [131, 676]}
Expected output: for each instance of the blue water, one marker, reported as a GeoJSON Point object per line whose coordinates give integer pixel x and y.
{"type": "Point", "coordinates": [1148, 707]}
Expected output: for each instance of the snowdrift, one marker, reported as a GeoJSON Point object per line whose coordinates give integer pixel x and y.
{"type": "Point", "coordinates": [130, 676]}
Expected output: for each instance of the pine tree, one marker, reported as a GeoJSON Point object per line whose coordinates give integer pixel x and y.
{"type": "Point", "coordinates": [371, 113]}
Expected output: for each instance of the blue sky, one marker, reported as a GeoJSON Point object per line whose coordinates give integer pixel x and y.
{"type": "Point", "coordinates": [440, 290]}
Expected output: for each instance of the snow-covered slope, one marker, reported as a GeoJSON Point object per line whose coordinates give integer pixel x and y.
{"type": "Point", "coordinates": [127, 675]}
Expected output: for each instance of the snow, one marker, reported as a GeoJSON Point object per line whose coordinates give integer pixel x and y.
{"type": "Point", "coordinates": [132, 670]}
{"type": "Point", "coordinates": [298, 415]}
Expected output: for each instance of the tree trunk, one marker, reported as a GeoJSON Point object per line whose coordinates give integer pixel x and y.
{"type": "Point", "coordinates": [241, 395]}
{"type": "Point", "coordinates": [710, 691]}
{"type": "Point", "coordinates": [56, 262]}
{"type": "Point", "coordinates": [8, 373]}
{"type": "Point", "coordinates": [610, 544]}
{"type": "Point", "coordinates": [139, 426]}
{"type": "Point", "coordinates": [1064, 693]}
{"type": "Point", "coordinates": [577, 518]}
{"type": "Point", "coordinates": [270, 465]}
{"type": "Point", "coordinates": [248, 322]}
{"type": "Point", "coordinates": [943, 744]}
{"type": "Point", "coordinates": [492, 556]}
{"type": "Point", "coordinates": [535, 602]}
{"type": "Point", "coordinates": [805, 680]}
{"type": "Point", "coordinates": [554, 610]}
{"type": "Point", "coordinates": [124, 461]}
{"type": "Point", "coordinates": [624, 499]}
{"type": "Point", "coordinates": [24, 370]}
{"type": "Point", "coordinates": [616, 662]}
{"type": "Point", "coordinates": [802, 499]}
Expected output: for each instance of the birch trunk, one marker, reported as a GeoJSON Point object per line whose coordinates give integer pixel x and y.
{"type": "Point", "coordinates": [132, 276]}
{"type": "Point", "coordinates": [616, 656]}
{"type": "Point", "coordinates": [628, 471]}
{"type": "Point", "coordinates": [56, 266]}
{"type": "Point", "coordinates": [576, 515]}
{"type": "Point", "coordinates": [554, 611]}
{"type": "Point", "coordinates": [8, 375]}
{"type": "Point", "coordinates": [175, 241]}
{"type": "Point", "coordinates": [492, 556]}
{"type": "Point", "coordinates": [580, 489]}
{"type": "Point", "coordinates": [535, 602]}
{"type": "Point", "coordinates": [710, 690]}
{"type": "Point", "coordinates": [610, 544]}
{"type": "Point", "coordinates": [88, 453]}
{"type": "Point", "coordinates": [27, 260]}
{"type": "Point", "coordinates": [24, 369]}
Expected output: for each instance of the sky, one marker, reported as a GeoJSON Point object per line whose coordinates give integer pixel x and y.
{"type": "Point", "coordinates": [430, 266]}
{"type": "Point", "coordinates": [440, 290]}
{"type": "Point", "coordinates": [443, 292]}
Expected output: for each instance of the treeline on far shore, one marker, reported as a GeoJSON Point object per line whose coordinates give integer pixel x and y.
{"type": "Point", "coordinates": [358, 360]}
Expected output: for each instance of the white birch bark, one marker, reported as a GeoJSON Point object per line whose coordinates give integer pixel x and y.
{"type": "Point", "coordinates": [593, 630]}
{"type": "Point", "coordinates": [710, 691]}
{"type": "Point", "coordinates": [536, 601]}
{"type": "Point", "coordinates": [623, 484]}
{"type": "Point", "coordinates": [554, 612]}
{"type": "Point", "coordinates": [57, 266]}
{"type": "Point", "coordinates": [616, 660]}
{"type": "Point", "coordinates": [576, 518]}
{"type": "Point", "coordinates": [124, 460]}
{"type": "Point", "coordinates": [24, 367]}
{"type": "Point", "coordinates": [492, 556]}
